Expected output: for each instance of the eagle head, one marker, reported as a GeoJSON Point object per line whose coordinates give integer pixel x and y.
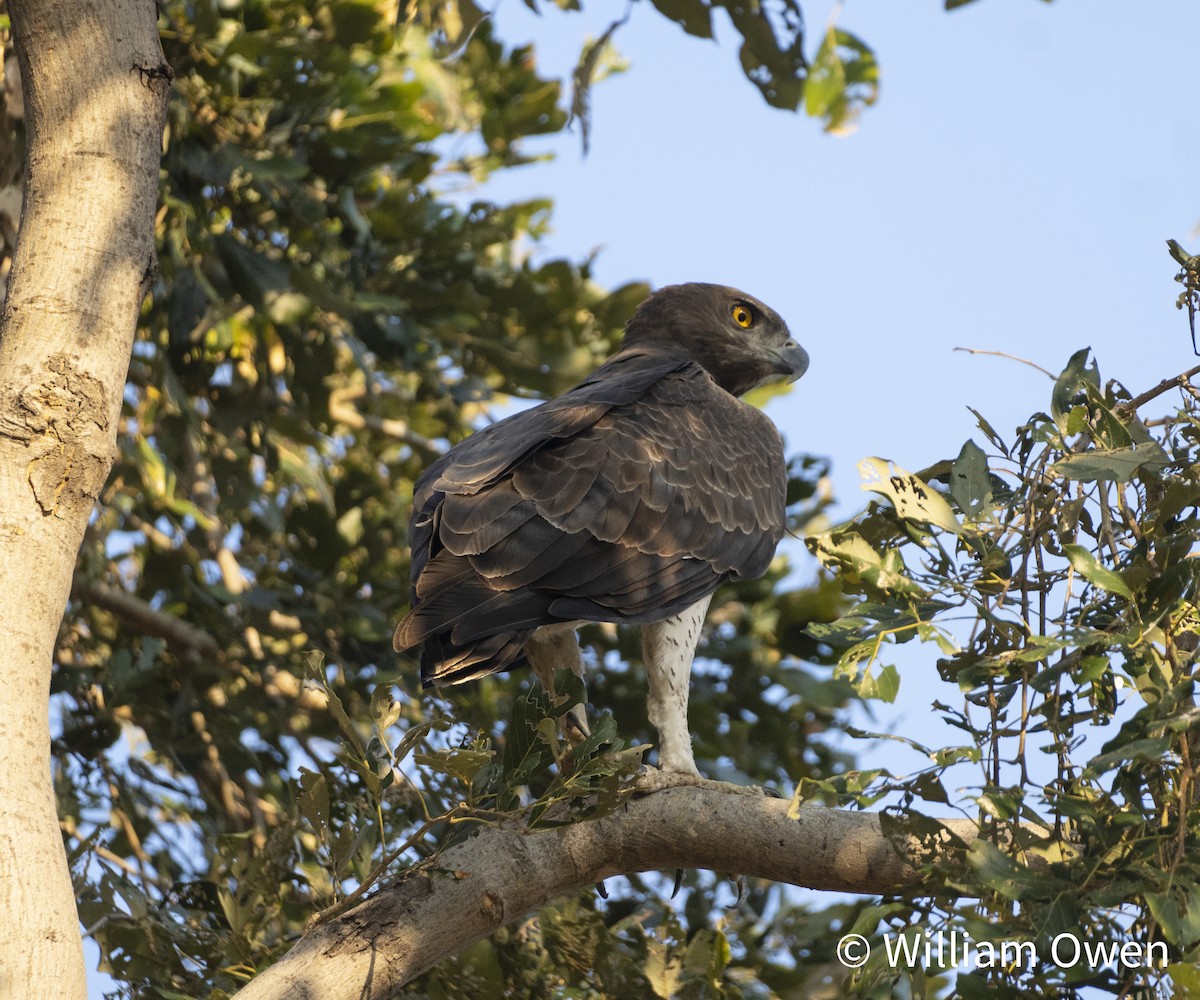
{"type": "Point", "coordinates": [741, 342]}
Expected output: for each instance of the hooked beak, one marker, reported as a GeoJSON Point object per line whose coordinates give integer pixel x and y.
{"type": "Point", "coordinates": [793, 360]}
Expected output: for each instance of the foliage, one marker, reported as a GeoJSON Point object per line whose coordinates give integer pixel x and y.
{"type": "Point", "coordinates": [335, 305]}
{"type": "Point", "coordinates": [237, 746]}
{"type": "Point", "coordinates": [1189, 277]}
{"type": "Point", "coordinates": [841, 80]}
{"type": "Point", "coordinates": [1055, 578]}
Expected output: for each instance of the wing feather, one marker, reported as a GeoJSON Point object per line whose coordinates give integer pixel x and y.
{"type": "Point", "coordinates": [628, 499]}
{"type": "Point", "coordinates": [489, 533]}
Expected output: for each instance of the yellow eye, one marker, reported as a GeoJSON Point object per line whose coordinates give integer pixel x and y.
{"type": "Point", "coordinates": [743, 316]}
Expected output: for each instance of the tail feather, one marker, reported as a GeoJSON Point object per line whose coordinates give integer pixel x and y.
{"type": "Point", "coordinates": [467, 629]}
{"type": "Point", "coordinates": [444, 664]}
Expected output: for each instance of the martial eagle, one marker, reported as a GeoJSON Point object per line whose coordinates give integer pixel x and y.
{"type": "Point", "coordinates": [630, 498]}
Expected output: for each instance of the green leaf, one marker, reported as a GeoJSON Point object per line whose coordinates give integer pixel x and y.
{"type": "Point", "coordinates": [314, 668]}
{"type": "Point", "coordinates": [462, 763]}
{"type": "Point", "coordinates": [914, 500]}
{"type": "Point", "coordinates": [663, 969]}
{"type": "Point", "coordinates": [971, 481]}
{"type": "Point", "coordinates": [347, 844]}
{"type": "Point", "coordinates": [707, 956]}
{"type": "Point", "coordinates": [772, 50]}
{"type": "Point", "coordinates": [1178, 914]}
{"type": "Point", "coordinates": [412, 737]}
{"type": "Point", "coordinates": [526, 753]}
{"type": "Point", "coordinates": [1003, 875]}
{"type": "Point", "coordinates": [842, 80]}
{"type": "Point", "coordinates": [1185, 978]}
{"type": "Point", "coordinates": [1070, 385]}
{"type": "Point", "coordinates": [1164, 909]}
{"type": "Point", "coordinates": [458, 21]}
{"type": "Point", "coordinates": [693, 16]}
{"type": "Point", "coordinates": [1149, 750]}
{"type": "Point", "coordinates": [313, 800]}
{"type": "Point", "coordinates": [859, 563]}
{"type": "Point", "coordinates": [385, 709]}
{"type": "Point", "coordinates": [929, 787]}
{"type": "Point", "coordinates": [1119, 464]}
{"type": "Point", "coordinates": [882, 685]}
{"type": "Point", "coordinates": [989, 431]}
{"type": "Point", "coordinates": [864, 734]}
{"type": "Point", "coordinates": [763, 394]}
{"type": "Point", "coordinates": [598, 59]}
{"type": "Point", "coordinates": [1088, 566]}
{"type": "Point", "coordinates": [887, 684]}
{"type": "Point", "coordinates": [1179, 255]}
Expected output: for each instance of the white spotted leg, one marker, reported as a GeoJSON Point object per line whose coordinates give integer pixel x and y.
{"type": "Point", "coordinates": [667, 650]}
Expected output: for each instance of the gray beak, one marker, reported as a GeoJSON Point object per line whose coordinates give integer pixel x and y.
{"type": "Point", "coordinates": [795, 358]}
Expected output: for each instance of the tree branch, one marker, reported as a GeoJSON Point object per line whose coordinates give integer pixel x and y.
{"type": "Point", "coordinates": [503, 873]}
{"type": "Point", "coordinates": [95, 91]}
{"type": "Point", "coordinates": [1179, 381]}
{"type": "Point", "coordinates": [341, 410]}
{"type": "Point", "coordinates": [181, 636]}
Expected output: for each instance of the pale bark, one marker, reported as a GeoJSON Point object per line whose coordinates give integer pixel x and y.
{"type": "Point", "coordinates": [501, 874]}
{"type": "Point", "coordinates": [96, 90]}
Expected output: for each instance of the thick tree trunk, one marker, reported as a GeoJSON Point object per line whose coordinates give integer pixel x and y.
{"type": "Point", "coordinates": [96, 90]}
{"type": "Point", "coordinates": [502, 874]}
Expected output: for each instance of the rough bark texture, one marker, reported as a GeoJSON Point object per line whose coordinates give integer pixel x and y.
{"type": "Point", "coordinates": [96, 91]}
{"type": "Point", "coordinates": [500, 875]}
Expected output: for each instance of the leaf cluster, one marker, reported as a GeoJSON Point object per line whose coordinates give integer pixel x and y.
{"type": "Point", "coordinates": [840, 80]}
{"type": "Point", "coordinates": [1054, 576]}
{"type": "Point", "coordinates": [237, 748]}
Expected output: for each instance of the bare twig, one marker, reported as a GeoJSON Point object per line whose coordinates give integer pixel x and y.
{"type": "Point", "coordinates": [1011, 357]}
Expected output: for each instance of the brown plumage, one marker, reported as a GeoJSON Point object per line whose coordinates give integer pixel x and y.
{"type": "Point", "coordinates": [628, 499]}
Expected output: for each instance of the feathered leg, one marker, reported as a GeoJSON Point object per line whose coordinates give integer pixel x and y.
{"type": "Point", "coordinates": [555, 647]}
{"type": "Point", "coordinates": [667, 650]}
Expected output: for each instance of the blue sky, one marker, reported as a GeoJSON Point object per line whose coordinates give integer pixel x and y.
{"type": "Point", "coordinates": [1012, 190]}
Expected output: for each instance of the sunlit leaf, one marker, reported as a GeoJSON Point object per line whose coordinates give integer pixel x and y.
{"type": "Point", "coordinates": [913, 499]}
{"type": "Point", "coordinates": [313, 799]}
{"type": "Point", "coordinates": [1089, 567]}
{"type": "Point", "coordinates": [843, 79]}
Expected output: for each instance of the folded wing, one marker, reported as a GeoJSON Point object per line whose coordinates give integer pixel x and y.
{"type": "Point", "coordinates": [628, 499]}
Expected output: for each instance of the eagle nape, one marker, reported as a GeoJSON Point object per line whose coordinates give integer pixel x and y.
{"type": "Point", "coordinates": [630, 499]}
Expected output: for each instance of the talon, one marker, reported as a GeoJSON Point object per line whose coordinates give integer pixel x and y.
{"type": "Point", "coordinates": [654, 780]}
{"type": "Point", "coordinates": [740, 882]}
{"type": "Point", "coordinates": [678, 882]}
{"type": "Point", "coordinates": [575, 727]}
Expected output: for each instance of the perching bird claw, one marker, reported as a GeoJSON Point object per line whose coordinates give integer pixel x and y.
{"type": "Point", "coordinates": [652, 779]}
